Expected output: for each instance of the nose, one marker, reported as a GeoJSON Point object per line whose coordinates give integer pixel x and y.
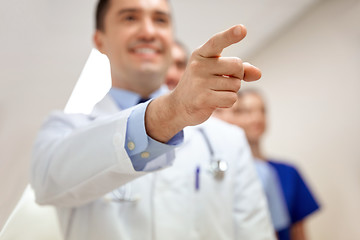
{"type": "Point", "coordinates": [147, 29]}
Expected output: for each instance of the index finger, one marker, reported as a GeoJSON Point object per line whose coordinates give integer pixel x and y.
{"type": "Point", "coordinates": [215, 45]}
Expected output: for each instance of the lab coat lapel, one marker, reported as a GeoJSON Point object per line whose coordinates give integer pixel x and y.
{"type": "Point", "coordinates": [105, 107]}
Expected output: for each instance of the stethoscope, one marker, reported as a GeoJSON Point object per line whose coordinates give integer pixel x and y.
{"type": "Point", "coordinates": [217, 166]}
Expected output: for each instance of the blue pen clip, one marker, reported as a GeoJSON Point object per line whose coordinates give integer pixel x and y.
{"type": "Point", "coordinates": [197, 178]}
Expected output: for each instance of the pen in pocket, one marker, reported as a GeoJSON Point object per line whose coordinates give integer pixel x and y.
{"type": "Point", "coordinates": [197, 178]}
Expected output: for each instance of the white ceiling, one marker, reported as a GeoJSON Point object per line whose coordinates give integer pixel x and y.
{"type": "Point", "coordinates": [44, 46]}
{"type": "Point", "coordinates": [196, 22]}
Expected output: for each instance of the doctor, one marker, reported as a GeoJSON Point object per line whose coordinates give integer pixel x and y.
{"type": "Point", "coordinates": [142, 171]}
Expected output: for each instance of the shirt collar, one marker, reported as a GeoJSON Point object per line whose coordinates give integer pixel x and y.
{"type": "Point", "coordinates": [126, 99]}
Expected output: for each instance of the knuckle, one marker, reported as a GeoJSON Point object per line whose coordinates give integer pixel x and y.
{"type": "Point", "coordinates": [232, 98]}
{"type": "Point", "coordinates": [198, 67]}
{"type": "Point", "coordinates": [195, 53]}
{"type": "Point", "coordinates": [194, 65]}
{"type": "Point", "coordinates": [237, 67]}
{"type": "Point", "coordinates": [237, 84]}
{"type": "Point", "coordinates": [237, 62]}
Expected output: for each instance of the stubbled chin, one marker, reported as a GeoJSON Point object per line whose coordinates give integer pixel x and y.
{"type": "Point", "coordinates": [150, 67]}
{"type": "Point", "coordinates": [152, 63]}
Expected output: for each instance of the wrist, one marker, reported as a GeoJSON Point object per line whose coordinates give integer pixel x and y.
{"type": "Point", "coordinates": [162, 119]}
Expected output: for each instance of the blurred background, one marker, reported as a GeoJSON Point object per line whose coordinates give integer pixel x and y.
{"type": "Point", "coordinates": [308, 51]}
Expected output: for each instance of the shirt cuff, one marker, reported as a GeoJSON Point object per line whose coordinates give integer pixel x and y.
{"type": "Point", "coordinates": [142, 149]}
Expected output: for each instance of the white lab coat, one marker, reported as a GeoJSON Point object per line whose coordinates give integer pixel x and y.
{"type": "Point", "coordinates": [79, 160]}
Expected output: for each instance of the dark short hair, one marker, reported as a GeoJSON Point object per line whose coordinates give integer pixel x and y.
{"type": "Point", "coordinates": [101, 10]}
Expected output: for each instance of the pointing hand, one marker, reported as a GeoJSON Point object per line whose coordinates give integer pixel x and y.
{"type": "Point", "coordinates": [209, 82]}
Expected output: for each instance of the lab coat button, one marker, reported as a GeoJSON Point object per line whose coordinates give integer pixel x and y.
{"type": "Point", "coordinates": [145, 154]}
{"type": "Point", "coordinates": [131, 145]}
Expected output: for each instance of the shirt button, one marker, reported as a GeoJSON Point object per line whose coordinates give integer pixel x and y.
{"type": "Point", "coordinates": [131, 145]}
{"type": "Point", "coordinates": [145, 154]}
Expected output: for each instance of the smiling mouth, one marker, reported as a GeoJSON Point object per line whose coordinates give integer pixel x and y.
{"type": "Point", "coordinates": [146, 50]}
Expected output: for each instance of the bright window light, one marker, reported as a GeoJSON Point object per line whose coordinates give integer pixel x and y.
{"type": "Point", "coordinates": [94, 82]}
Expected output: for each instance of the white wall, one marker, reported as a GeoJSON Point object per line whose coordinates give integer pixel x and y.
{"type": "Point", "coordinates": [311, 78]}
{"type": "Point", "coordinates": [43, 47]}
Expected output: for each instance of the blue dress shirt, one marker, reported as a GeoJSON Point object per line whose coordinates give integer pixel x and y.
{"type": "Point", "coordinates": [141, 148]}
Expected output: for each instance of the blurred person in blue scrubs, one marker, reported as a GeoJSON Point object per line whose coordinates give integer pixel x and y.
{"type": "Point", "coordinates": [287, 186]}
{"type": "Point", "coordinates": [138, 166]}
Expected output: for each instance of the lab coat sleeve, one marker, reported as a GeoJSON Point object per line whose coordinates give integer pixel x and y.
{"type": "Point", "coordinates": [76, 160]}
{"type": "Point", "coordinates": [251, 214]}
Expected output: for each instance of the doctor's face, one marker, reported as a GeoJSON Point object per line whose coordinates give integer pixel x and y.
{"type": "Point", "coordinates": [136, 37]}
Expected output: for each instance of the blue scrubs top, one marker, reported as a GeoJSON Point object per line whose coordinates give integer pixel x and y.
{"type": "Point", "coordinates": [299, 200]}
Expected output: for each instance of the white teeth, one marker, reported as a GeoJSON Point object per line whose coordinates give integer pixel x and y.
{"type": "Point", "coordinates": [145, 50]}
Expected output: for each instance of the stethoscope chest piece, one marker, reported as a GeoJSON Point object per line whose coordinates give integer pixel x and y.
{"type": "Point", "coordinates": [218, 168]}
